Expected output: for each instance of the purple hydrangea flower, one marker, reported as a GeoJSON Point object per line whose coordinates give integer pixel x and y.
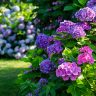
{"type": "Point", "coordinates": [46, 66]}
{"type": "Point", "coordinates": [85, 14]}
{"type": "Point", "coordinates": [54, 49]}
{"type": "Point", "coordinates": [84, 25]}
{"type": "Point", "coordinates": [77, 31]}
{"type": "Point", "coordinates": [68, 71]}
{"type": "Point", "coordinates": [61, 60]}
{"type": "Point", "coordinates": [42, 82]}
{"type": "Point", "coordinates": [91, 3]}
{"type": "Point", "coordinates": [43, 41]}
{"type": "Point", "coordinates": [64, 26]}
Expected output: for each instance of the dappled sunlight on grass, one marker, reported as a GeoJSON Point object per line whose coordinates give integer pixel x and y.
{"type": "Point", "coordinates": [9, 70]}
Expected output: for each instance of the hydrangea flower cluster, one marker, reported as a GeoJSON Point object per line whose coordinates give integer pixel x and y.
{"type": "Point", "coordinates": [68, 71]}
{"type": "Point", "coordinates": [85, 14]}
{"type": "Point", "coordinates": [46, 66]}
{"type": "Point", "coordinates": [54, 49]}
{"type": "Point", "coordinates": [84, 25]}
{"type": "Point", "coordinates": [16, 34]}
{"type": "Point", "coordinates": [43, 41]}
{"type": "Point", "coordinates": [91, 3]}
{"type": "Point", "coordinates": [65, 26]}
{"type": "Point", "coordinates": [74, 29]}
{"type": "Point", "coordinates": [85, 56]}
{"type": "Point", "coordinates": [77, 31]}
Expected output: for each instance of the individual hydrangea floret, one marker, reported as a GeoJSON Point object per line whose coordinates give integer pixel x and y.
{"type": "Point", "coordinates": [21, 26]}
{"type": "Point", "coordinates": [85, 58]}
{"type": "Point", "coordinates": [85, 14]}
{"type": "Point", "coordinates": [68, 70]}
{"type": "Point", "coordinates": [84, 25]}
{"type": "Point", "coordinates": [61, 60]}
{"type": "Point", "coordinates": [86, 49]}
{"type": "Point", "coordinates": [65, 26]}
{"type": "Point", "coordinates": [46, 66]}
{"type": "Point", "coordinates": [77, 31]}
{"type": "Point", "coordinates": [54, 49]}
{"type": "Point", "coordinates": [43, 41]}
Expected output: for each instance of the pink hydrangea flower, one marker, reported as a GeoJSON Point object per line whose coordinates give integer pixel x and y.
{"type": "Point", "coordinates": [85, 58]}
{"type": "Point", "coordinates": [68, 71]}
{"type": "Point", "coordinates": [86, 49]}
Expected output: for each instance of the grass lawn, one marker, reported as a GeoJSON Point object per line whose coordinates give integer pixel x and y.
{"type": "Point", "coordinates": [9, 69]}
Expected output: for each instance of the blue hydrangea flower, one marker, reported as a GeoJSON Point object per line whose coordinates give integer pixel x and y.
{"type": "Point", "coordinates": [43, 41]}
{"type": "Point", "coordinates": [46, 66]}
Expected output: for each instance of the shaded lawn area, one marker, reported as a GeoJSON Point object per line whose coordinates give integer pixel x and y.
{"type": "Point", "coordinates": [9, 70]}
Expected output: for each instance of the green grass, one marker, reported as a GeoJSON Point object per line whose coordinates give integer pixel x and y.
{"type": "Point", "coordinates": [9, 70]}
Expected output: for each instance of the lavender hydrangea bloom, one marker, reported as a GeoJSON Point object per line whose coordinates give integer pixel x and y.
{"type": "Point", "coordinates": [85, 14]}
{"type": "Point", "coordinates": [84, 25]}
{"type": "Point", "coordinates": [54, 49]}
{"type": "Point", "coordinates": [91, 3]}
{"type": "Point", "coordinates": [77, 31]}
{"type": "Point", "coordinates": [42, 41]}
{"type": "Point", "coordinates": [68, 71]}
{"type": "Point", "coordinates": [65, 26]}
{"type": "Point", "coordinates": [46, 66]}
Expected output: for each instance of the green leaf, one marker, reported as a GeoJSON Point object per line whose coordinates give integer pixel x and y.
{"type": "Point", "coordinates": [52, 92]}
{"type": "Point", "coordinates": [82, 2]}
{"type": "Point", "coordinates": [36, 61]}
{"type": "Point", "coordinates": [67, 52]}
{"type": "Point", "coordinates": [68, 8]}
{"type": "Point", "coordinates": [73, 90]}
{"type": "Point", "coordinates": [47, 90]}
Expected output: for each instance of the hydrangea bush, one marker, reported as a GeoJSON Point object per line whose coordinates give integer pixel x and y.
{"type": "Point", "coordinates": [17, 33]}
{"type": "Point", "coordinates": [65, 62]}
{"type": "Point", "coordinates": [51, 12]}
